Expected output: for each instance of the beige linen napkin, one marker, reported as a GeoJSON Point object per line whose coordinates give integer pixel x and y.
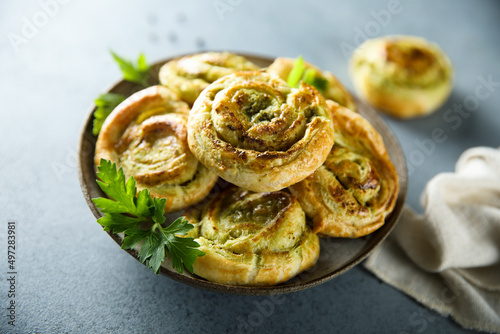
{"type": "Point", "coordinates": [449, 258]}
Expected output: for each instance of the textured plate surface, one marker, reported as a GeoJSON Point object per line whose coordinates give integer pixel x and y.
{"type": "Point", "coordinates": [337, 255]}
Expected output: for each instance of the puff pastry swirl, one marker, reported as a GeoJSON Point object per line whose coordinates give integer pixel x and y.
{"type": "Point", "coordinates": [146, 135]}
{"type": "Point", "coordinates": [405, 76]}
{"type": "Point", "coordinates": [256, 132]}
{"type": "Point", "coordinates": [189, 75]}
{"type": "Point", "coordinates": [334, 90]}
{"type": "Point", "coordinates": [254, 239]}
{"type": "Point", "coordinates": [356, 188]}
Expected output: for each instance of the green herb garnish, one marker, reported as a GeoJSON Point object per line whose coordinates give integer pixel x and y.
{"type": "Point", "coordinates": [140, 217]}
{"type": "Point", "coordinates": [320, 83]}
{"type": "Point", "coordinates": [309, 76]}
{"type": "Point", "coordinates": [138, 73]}
{"type": "Point", "coordinates": [296, 72]}
{"type": "Point", "coordinates": [105, 104]}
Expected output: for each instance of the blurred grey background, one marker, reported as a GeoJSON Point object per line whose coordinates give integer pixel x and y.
{"type": "Point", "coordinates": [54, 60]}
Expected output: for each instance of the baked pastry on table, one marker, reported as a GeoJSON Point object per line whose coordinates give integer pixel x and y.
{"type": "Point", "coordinates": [256, 132]}
{"type": "Point", "coordinates": [356, 188]}
{"type": "Point", "coordinates": [189, 75]}
{"type": "Point", "coordinates": [333, 88]}
{"type": "Point", "coordinates": [404, 76]}
{"type": "Point", "coordinates": [254, 239]}
{"type": "Point", "coordinates": [146, 135]}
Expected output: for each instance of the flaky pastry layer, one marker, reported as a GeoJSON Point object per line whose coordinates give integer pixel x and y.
{"type": "Point", "coordinates": [146, 135]}
{"type": "Point", "coordinates": [256, 132]}
{"type": "Point", "coordinates": [334, 89]}
{"type": "Point", "coordinates": [255, 239]}
{"type": "Point", "coordinates": [189, 75]}
{"type": "Point", "coordinates": [356, 188]}
{"type": "Point", "coordinates": [404, 76]}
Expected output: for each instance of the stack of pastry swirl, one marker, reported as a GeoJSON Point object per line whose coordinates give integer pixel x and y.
{"type": "Point", "coordinates": [299, 163]}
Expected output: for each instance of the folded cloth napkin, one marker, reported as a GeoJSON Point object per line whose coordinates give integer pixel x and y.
{"type": "Point", "coordinates": [449, 258]}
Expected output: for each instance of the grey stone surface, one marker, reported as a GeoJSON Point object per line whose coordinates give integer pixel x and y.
{"type": "Point", "coordinates": [73, 278]}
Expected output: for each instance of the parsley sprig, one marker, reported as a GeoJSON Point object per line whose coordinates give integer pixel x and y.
{"type": "Point", "coordinates": [138, 73]}
{"type": "Point", "coordinates": [309, 76]}
{"type": "Point", "coordinates": [140, 217]}
{"type": "Point", "coordinates": [105, 104]}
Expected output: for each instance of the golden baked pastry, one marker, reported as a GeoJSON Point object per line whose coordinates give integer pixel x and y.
{"type": "Point", "coordinates": [189, 75]}
{"type": "Point", "coordinates": [356, 188]}
{"type": "Point", "coordinates": [256, 132]}
{"type": "Point", "coordinates": [252, 238]}
{"type": "Point", "coordinates": [404, 76]}
{"type": "Point", "coordinates": [333, 88]}
{"type": "Point", "coordinates": [146, 135]}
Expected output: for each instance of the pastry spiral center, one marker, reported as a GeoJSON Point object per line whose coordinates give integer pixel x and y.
{"type": "Point", "coordinates": [255, 115]}
{"type": "Point", "coordinates": [413, 65]}
{"type": "Point", "coordinates": [243, 221]}
{"type": "Point", "coordinates": [356, 173]}
{"type": "Point", "coordinates": [156, 151]}
{"type": "Point", "coordinates": [413, 58]}
{"type": "Point", "coordinates": [256, 106]}
{"type": "Point", "coordinates": [249, 215]}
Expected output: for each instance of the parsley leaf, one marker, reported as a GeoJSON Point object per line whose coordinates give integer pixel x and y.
{"type": "Point", "coordinates": [296, 72]}
{"type": "Point", "coordinates": [113, 184]}
{"type": "Point", "coordinates": [181, 248]}
{"type": "Point", "coordinates": [309, 76]}
{"type": "Point", "coordinates": [105, 104]}
{"type": "Point", "coordinates": [138, 73]}
{"type": "Point", "coordinates": [320, 83]}
{"type": "Point", "coordinates": [129, 212]}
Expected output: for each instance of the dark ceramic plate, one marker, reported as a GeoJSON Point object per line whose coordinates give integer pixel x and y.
{"type": "Point", "coordinates": [337, 255]}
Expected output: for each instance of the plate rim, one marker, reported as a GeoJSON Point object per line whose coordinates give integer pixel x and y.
{"type": "Point", "coordinates": [390, 223]}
